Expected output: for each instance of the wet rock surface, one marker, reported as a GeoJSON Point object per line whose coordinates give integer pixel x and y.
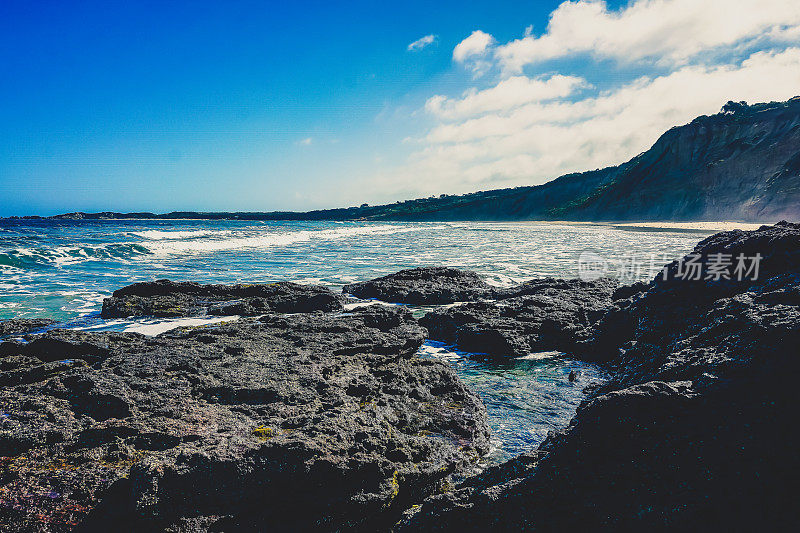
{"type": "Point", "coordinates": [539, 315]}
{"type": "Point", "coordinates": [423, 286]}
{"type": "Point", "coordinates": [696, 430]}
{"type": "Point", "coordinates": [165, 299]}
{"type": "Point", "coordinates": [302, 422]}
{"type": "Point", "coordinates": [21, 326]}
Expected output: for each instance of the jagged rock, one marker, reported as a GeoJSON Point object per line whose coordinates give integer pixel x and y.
{"type": "Point", "coordinates": [539, 315]}
{"type": "Point", "coordinates": [20, 326]}
{"type": "Point", "coordinates": [296, 421]}
{"type": "Point", "coordinates": [626, 291]}
{"type": "Point", "coordinates": [423, 286]}
{"type": "Point", "coordinates": [164, 298]}
{"type": "Point", "coordinates": [166, 306]}
{"type": "Point", "coordinates": [694, 432]}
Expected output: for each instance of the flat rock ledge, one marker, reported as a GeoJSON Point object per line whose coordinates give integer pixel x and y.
{"type": "Point", "coordinates": [167, 299]}
{"type": "Point", "coordinates": [287, 422]}
{"type": "Point", "coordinates": [694, 432]}
{"type": "Point", "coordinates": [21, 326]}
{"type": "Point", "coordinates": [423, 286]}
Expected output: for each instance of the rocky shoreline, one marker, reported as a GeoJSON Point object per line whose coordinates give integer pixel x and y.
{"type": "Point", "coordinates": [304, 416]}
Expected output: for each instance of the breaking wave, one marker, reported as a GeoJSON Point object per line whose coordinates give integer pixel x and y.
{"type": "Point", "coordinates": [171, 243]}
{"type": "Point", "coordinates": [157, 235]}
{"type": "Point", "coordinates": [268, 240]}
{"type": "Point", "coordinates": [68, 255]}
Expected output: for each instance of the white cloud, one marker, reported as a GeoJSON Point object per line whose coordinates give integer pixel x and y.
{"type": "Point", "coordinates": [666, 31]}
{"type": "Point", "coordinates": [498, 146]}
{"type": "Point", "coordinates": [306, 142]}
{"type": "Point", "coordinates": [421, 43]}
{"type": "Point", "coordinates": [506, 95]}
{"type": "Point", "coordinates": [513, 128]}
{"type": "Point", "coordinates": [474, 45]}
{"type": "Point", "coordinates": [473, 51]}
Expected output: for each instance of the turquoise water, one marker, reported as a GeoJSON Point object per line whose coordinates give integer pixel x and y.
{"type": "Point", "coordinates": [63, 270]}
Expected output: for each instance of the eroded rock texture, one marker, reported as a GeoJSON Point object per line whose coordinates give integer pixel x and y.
{"type": "Point", "coordinates": [165, 298]}
{"type": "Point", "coordinates": [539, 315]}
{"type": "Point", "coordinates": [297, 422]}
{"type": "Point", "coordinates": [423, 286]}
{"type": "Point", "coordinates": [696, 432]}
{"type": "Point", "coordinates": [21, 326]}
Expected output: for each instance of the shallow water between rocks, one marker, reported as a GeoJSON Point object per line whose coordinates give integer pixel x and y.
{"type": "Point", "coordinates": [525, 397]}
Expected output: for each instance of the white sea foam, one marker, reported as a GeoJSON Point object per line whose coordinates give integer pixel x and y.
{"type": "Point", "coordinates": [438, 350]}
{"type": "Point", "coordinates": [157, 235]}
{"type": "Point", "coordinates": [536, 356]}
{"type": "Point", "coordinates": [268, 240]}
{"type": "Point", "coordinates": [356, 305]}
{"type": "Point", "coordinates": [69, 255]}
{"type": "Point", "coordinates": [699, 226]}
{"type": "Point", "coordinates": [157, 326]}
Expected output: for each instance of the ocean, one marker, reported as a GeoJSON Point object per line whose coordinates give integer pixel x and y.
{"type": "Point", "coordinates": [63, 269]}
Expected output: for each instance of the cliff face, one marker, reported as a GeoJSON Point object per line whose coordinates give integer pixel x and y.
{"type": "Point", "coordinates": [740, 164]}
{"type": "Point", "coordinates": [743, 163]}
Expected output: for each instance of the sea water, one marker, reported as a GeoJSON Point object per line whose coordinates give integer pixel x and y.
{"type": "Point", "coordinates": [63, 269]}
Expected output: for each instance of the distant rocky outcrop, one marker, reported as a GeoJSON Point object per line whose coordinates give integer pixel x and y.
{"type": "Point", "coordinates": [694, 430]}
{"type": "Point", "coordinates": [423, 286]}
{"type": "Point", "coordinates": [165, 298]}
{"type": "Point", "coordinates": [291, 422]}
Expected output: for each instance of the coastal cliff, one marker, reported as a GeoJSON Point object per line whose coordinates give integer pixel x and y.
{"type": "Point", "coordinates": [742, 163]}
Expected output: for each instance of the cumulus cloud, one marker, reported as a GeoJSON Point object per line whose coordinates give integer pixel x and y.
{"type": "Point", "coordinates": [475, 45]}
{"type": "Point", "coordinates": [668, 31]}
{"type": "Point", "coordinates": [486, 143]}
{"type": "Point", "coordinates": [421, 43]}
{"type": "Point", "coordinates": [530, 122]}
{"type": "Point", "coordinates": [473, 51]}
{"type": "Point", "coordinates": [626, 77]}
{"type": "Point", "coordinates": [505, 96]}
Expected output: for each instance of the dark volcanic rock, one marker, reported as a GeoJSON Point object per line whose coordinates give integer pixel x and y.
{"type": "Point", "coordinates": [626, 291]}
{"type": "Point", "coordinates": [423, 286]}
{"type": "Point", "coordinates": [301, 422]}
{"type": "Point", "coordinates": [164, 298]}
{"type": "Point", "coordinates": [20, 326]}
{"type": "Point", "coordinates": [539, 315]}
{"type": "Point", "coordinates": [696, 431]}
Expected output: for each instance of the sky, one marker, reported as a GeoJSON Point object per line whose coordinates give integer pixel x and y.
{"type": "Point", "coordinates": [260, 106]}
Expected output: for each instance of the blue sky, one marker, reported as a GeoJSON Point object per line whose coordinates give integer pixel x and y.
{"type": "Point", "coordinates": [298, 105]}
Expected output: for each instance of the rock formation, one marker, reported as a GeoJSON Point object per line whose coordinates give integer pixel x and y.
{"type": "Point", "coordinates": [301, 422]}
{"type": "Point", "coordinates": [539, 315]}
{"type": "Point", "coordinates": [20, 326]}
{"type": "Point", "coordinates": [165, 298]}
{"type": "Point", "coordinates": [328, 421]}
{"type": "Point", "coordinates": [423, 286]}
